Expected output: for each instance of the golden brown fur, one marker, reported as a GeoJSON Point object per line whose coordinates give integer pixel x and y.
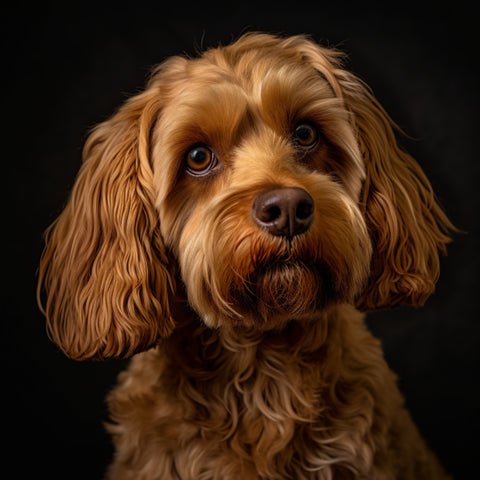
{"type": "Point", "coordinates": [256, 363]}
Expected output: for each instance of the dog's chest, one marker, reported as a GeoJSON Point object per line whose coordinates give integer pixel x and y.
{"type": "Point", "coordinates": [264, 408]}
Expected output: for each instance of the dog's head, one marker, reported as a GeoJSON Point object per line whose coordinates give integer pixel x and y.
{"type": "Point", "coordinates": [263, 177]}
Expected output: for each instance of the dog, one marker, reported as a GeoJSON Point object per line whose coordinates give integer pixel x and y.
{"type": "Point", "coordinates": [228, 228]}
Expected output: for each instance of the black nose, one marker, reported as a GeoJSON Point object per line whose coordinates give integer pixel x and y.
{"type": "Point", "coordinates": [284, 211]}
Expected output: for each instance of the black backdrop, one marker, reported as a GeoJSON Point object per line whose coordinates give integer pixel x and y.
{"type": "Point", "coordinates": [67, 66]}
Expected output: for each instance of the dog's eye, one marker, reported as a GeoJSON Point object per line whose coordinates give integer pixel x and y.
{"type": "Point", "coordinates": [200, 160]}
{"type": "Point", "coordinates": [305, 135]}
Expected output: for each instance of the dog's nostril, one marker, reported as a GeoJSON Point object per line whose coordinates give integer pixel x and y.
{"type": "Point", "coordinates": [304, 210]}
{"type": "Point", "coordinates": [271, 214]}
{"type": "Point", "coordinates": [284, 211]}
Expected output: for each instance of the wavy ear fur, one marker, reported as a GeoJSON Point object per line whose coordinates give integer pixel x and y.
{"type": "Point", "coordinates": [103, 275]}
{"type": "Point", "coordinates": [407, 226]}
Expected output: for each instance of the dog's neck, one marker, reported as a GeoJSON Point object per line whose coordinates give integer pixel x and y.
{"type": "Point", "coordinates": [295, 337]}
{"type": "Point", "coordinates": [229, 356]}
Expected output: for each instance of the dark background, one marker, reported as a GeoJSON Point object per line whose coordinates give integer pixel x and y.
{"type": "Point", "coordinates": [67, 66]}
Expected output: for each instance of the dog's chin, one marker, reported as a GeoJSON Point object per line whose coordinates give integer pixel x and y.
{"type": "Point", "coordinates": [278, 293]}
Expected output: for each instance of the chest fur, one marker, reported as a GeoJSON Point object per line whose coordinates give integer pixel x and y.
{"type": "Point", "coordinates": [270, 408]}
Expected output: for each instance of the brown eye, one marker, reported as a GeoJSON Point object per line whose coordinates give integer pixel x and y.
{"type": "Point", "coordinates": [305, 135]}
{"type": "Point", "coordinates": [200, 160]}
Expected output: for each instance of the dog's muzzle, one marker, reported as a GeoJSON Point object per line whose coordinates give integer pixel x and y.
{"type": "Point", "coordinates": [285, 212]}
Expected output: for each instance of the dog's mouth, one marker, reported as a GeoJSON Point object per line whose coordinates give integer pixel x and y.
{"type": "Point", "coordinates": [284, 289]}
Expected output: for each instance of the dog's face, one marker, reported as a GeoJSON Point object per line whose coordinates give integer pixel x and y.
{"type": "Point", "coordinates": [259, 178]}
{"type": "Point", "coordinates": [266, 175]}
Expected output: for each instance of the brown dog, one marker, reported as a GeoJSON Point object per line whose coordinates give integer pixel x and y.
{"type": "Point", "coordinates": [231, 219]}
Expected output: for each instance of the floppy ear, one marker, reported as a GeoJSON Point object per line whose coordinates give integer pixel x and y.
{"type": "Point", "coordinates": [407, 227]}
{"type": "Point", "coordinates": [103, 275]}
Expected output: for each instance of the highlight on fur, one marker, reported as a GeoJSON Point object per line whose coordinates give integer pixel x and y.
{"type": "Point", "coordinates": [256, 362]}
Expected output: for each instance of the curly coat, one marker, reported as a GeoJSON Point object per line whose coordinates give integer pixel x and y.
{"type": "Point", "coordinates": [256, 361]}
